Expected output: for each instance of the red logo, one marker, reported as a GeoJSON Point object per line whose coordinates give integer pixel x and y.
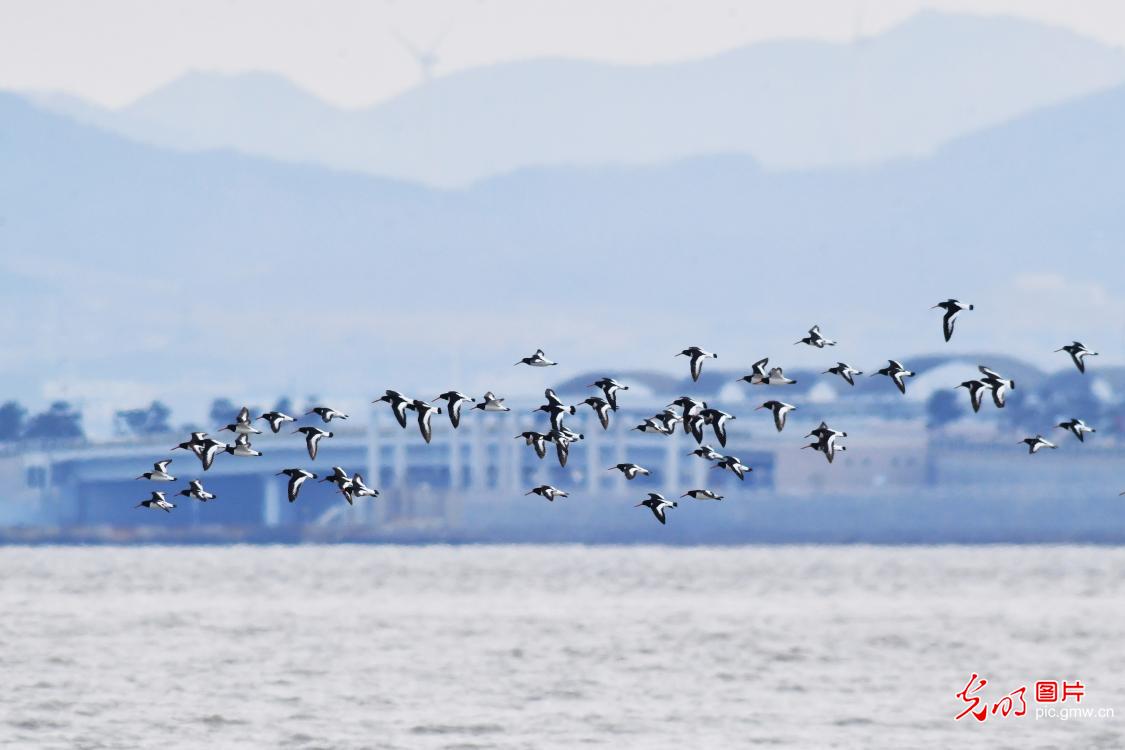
{"type": "Point", "coordinates": [1014, 704]}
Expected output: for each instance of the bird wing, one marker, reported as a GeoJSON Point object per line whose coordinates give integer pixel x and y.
{"type": "Point", "coordinates": [696, 366]}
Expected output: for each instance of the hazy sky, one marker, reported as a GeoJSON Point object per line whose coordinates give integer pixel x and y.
{"type": "Point", "coordinates": [113, 51]}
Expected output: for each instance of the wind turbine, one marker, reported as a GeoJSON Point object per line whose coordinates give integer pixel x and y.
{"type": "Point", "coordinates": [426, 58]}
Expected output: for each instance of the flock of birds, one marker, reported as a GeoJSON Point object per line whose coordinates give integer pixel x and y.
{"type": "Point", "coordinates": [694, 415]}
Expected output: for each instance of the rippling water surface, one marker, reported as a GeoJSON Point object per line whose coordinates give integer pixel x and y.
{"type": "Point", "coordinates": [533, 647]}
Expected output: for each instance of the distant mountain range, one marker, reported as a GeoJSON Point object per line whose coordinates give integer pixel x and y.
{"type": "Point", "coordinates": [789, 104]}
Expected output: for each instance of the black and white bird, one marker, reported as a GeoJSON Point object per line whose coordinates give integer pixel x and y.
{"type": "Point", "coordinates": [896, 372]}
{"type": "Point", "coordinates": [780, 410]}
{"type": "Point", "coordinates": [976, 389]}
{"type": "Point", "coordinates": [999, 385]}
{"type": "Point", "coordinates": [609, 387]}
{"type": "Point", "coordinates": [658, 505]}
{"type": "Point", "coordinates": [338, 476]}
{"type": "Point", "coordinates": [536, 440]}
{"type": "Point", "coordinates": [601, 407]}
{"type": "Point", "coordinates": [826, 440]}
{"type": "Point", "coordinates": [652, 424]}
{"type": "Point", "coordinates": [490, 402]}
{"type": "Point", "coordinates": [707, 453]}
{"type": "Point", "coordinates": [669, 419]}
{"type": "Point", "coordinates": [194, 443]}
{"type": "Point", "coordinates": [326, 414]}
{"type": "Point", "coordinates": [313, 436]}
{"type": "Point", "coordinates": [1078, 354]}
{"type": "Point", "coordinates": [952, 309]}
{"type": "Point", "coordinates": [208, 449]}
{"type": "Point", "coordinates": [156, 502]}
{"type": "Point", "coordinates": [1076, 427]}
{"type": "Point", "coordinates": [697, 356]}
{"type": "Point", "coordinates": [242, 424]}
{"type": "Point", "coordinates": [734, 464]}
{"type": "Point", "coordinates": [195, 490]}
{"type": "Point", "coordinates": [297, 477]}
{"type": "Point", "coordinates": [757, 374]}
{"type": "Point", "coordinates": [343, 482]}
{"type": "Point", "coordinates": [815, 338]}
{"type": "Point", "coordinates": [844, 370]}
{"type": "Point", "coordinates": [548, 492]}
{"type": "Point", "coordinates": [702, 495]}
{"type": "Point", "coordinates": [688, 404]}
{"type": "Point", "coordinates": [555, 408]}
{"type": "Point", "coordinates": [425, 411]}
{"type": "Point", "coordinates": [454, 401]}
{"type": "Point", "coordinates": [242, 447]}
{"type": "Point", "coordinates": [539, 359]}
{"type": "Point", "coordinates": [631, 471]}
{"type": "Point", "coordinates": [276, 419]}
{"type": "Point", "coordinates": [562, 440]}
{"type": "Point", "coordinates": [360, 489]}
{"type": "Point", "coordinates": [718, 421]}
{"type": "Point", "coordinates": [159, 472]}
{"type": "Point", "coordinates": [828, 447]}
{"type": "Point", "coordinates": [398, 404]}
{"type": "Point", "coordinates": [1037, 442]}
{"type": "Point", "coordinates": [693, 425]}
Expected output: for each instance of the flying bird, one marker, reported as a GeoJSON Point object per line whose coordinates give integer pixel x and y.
{"type": "Point", "coordinates": [359, 489]}
{"type": "Point", "coordinates": [454, 401]}
{"type": "Point", "coordinates": [658, 505]}
{"type": "Point", "coordinates": [297, 477]}
{"type": "Point", "coordinates": [208, 449]}
{"type": "Point", "coordinates": [195, 490]}
{"type": "Point", "coordinates": [952, 309]}
{"type": "Point", "coordinates": [718, 421]}
{"type": "Point", "coordinates": [780, 410]}
{"type": "Point", "coordinates": [398, 403]}
{"type": "Point", "coordinates": [343, 482]}
{"type": "Point", "coordinates": [707, 453]}
{"type": "Point", "coordinates": [828, 447]}
{"type": "Point", "coordinates": [1077, 427]}
{"type": "Point", "coordinates": [536, 440]}
{"type": "Point", "coordinates": [631, 471]}
{"type": "Point", "coordinates": [276, 419]}
{"type": "Point", "coordinates": [845, 371]}
{"type": "Point", "coordinates": [1037, 442]}
{"type": "Point", "coordinates": [697, 356]}
{"type": "Point", "coordinates": [539, 359]}
{"type": "Point", "coordinates": [489, 402]}
{"type": "Point", "coordinates": [242, 447]}
{"type": "Point", "coordinates": [609, 387]}
{"type": "Point", "coordinates": [547, 491]}
{"type": "Point", "coordinates": [734, 464]}
{"type": "Point", "coordinates": [156, 502]}
{"type": "Point", "coordinates": [896, 372]}
{"type": "Point", "coordinates": [1078, 354]}
{"type": "Point", "coordinates": [601, 407]}
{"type": "Point", "coordinates": [757, 375]}
{"type": "Point", "coordinates": [815, 339]}
{"type": "Point", "coordinates": [556, 412]}
{"type": "Point", "coordinates": [426, 412]}
{"type": "Point", "coordinates": [653, 424]}
{"type": "Point", "coordinates": [193, 443]}
{"type": "Point", "coordinates": [313, 436]}
{"type": "Point", "coordinates": [702, 495]}
{"type": "Point", "coordinates": [998, 384]}
{"type": "Point", "coordinates": [976, 389]}
{"type": "Point", "coordinates": [326, 414]}
{"type": "Point", "coordinates": [159, 472]}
